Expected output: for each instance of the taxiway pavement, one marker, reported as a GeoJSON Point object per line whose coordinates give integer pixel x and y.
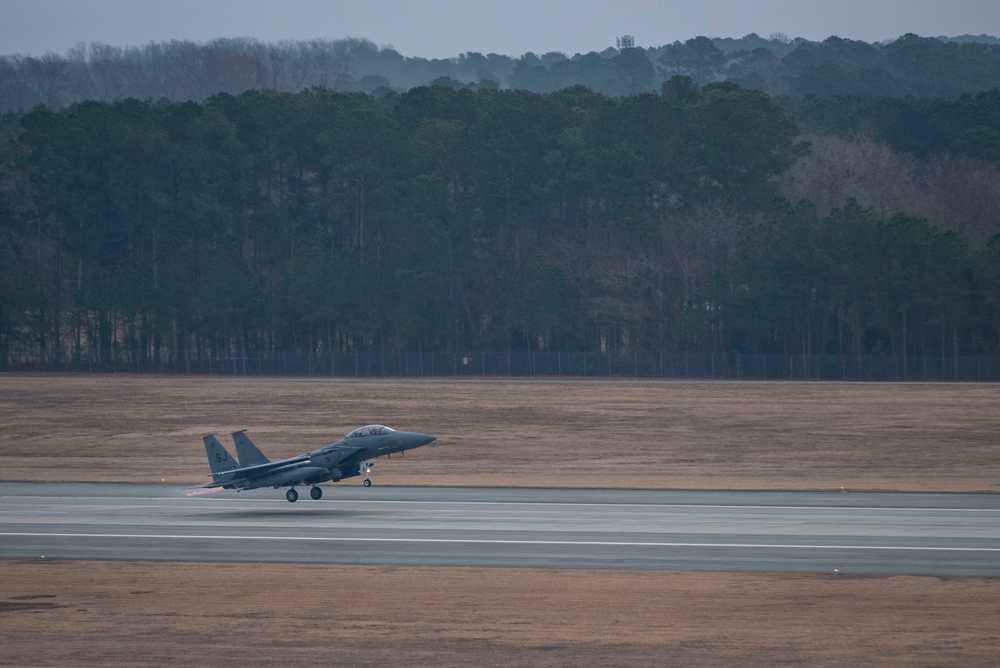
{"type": "Point", "coordinates": [849, 533]}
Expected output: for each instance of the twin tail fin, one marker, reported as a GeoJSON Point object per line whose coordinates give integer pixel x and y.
{"type": "Point", "coordinates": [248, 453]}
{"type": "Point", "coordinates": [219, 459]}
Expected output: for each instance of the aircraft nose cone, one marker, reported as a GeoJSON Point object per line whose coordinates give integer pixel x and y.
{"type": "Point", "coordinates": [413, 439]}
{"type": "Point", "coordinates": [416, 439]}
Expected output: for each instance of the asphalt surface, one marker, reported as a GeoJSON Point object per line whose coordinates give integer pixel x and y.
{"type": "Point", "coordinates": [849, 533]}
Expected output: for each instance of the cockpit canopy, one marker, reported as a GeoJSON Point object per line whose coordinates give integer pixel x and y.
{"type": "Point", "coordinates": [370, 430]}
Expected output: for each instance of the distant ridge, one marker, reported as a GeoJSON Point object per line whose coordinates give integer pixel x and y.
{"type": "Point", "coordinates": [965, 39]}
{"type": "Point", "coordinates": [180, 71]}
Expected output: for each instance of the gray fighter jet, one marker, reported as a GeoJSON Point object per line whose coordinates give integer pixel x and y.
{"type": "Point", "coordinates": [350, 456]}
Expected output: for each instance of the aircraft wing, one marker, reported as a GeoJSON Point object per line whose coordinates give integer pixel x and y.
{"type": "Point", "coordinates": [251, 472]}
{"type": "Point", "coordinates": [342, 453]}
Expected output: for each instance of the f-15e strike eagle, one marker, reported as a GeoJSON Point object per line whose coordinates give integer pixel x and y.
{"type": "Point", "coordinates": [350, 456]}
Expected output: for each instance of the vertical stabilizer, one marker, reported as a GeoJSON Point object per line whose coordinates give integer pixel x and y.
{"type": "Point", "coordinates": [247, 452]}
{"type": "Point", "coordinates": [219, 459]}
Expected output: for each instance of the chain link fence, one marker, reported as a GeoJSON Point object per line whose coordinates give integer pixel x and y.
{"type": "Point", "coordinates": [695, 366]}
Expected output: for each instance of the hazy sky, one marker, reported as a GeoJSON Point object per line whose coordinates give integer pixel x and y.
{"type": "Point", "coordinates": [445, 28]}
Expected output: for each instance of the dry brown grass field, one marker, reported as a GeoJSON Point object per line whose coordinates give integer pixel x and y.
{"type": "Point", "coordinates": [104, 614]}
{"type": "Point", "coordinates": [940, 438]}
{"type": "Point", "coordinates": [553, 434]}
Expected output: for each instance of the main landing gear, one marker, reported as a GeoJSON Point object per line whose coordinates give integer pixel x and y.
{"type": "Point", "coordinates": [316, 493]}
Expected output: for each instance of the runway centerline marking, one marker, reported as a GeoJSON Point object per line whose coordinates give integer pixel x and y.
{"type": "Point", "coordinates": [146, 501]}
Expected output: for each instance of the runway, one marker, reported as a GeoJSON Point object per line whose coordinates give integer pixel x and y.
{"type": "Point", "coordinates": [849, 533]}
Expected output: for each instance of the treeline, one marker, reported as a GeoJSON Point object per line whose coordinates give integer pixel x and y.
{"type": "Point", "coordinates": [147, 235]}
{"type": "Point", "coordinates": [180, 71]}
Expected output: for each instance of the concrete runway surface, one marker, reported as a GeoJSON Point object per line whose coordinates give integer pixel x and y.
{"type": "Point", "coordinates": [849, 533]}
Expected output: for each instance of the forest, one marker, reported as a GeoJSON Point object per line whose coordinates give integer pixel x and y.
{"type": "Point", "coordinates": [695, 219]}
{"type": "Point", "coordinates": [450, 220]}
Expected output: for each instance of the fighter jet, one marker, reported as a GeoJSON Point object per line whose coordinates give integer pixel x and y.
{"type": "Point", "coordinates": [350, 456]}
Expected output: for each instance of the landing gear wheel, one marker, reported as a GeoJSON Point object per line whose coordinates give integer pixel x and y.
{"type": "Point", "coordinates": [315, 493]}
{"type": "Point", "coordinates": [292, 495]}
{"type": "Point", "coordinates": [368, 482]}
